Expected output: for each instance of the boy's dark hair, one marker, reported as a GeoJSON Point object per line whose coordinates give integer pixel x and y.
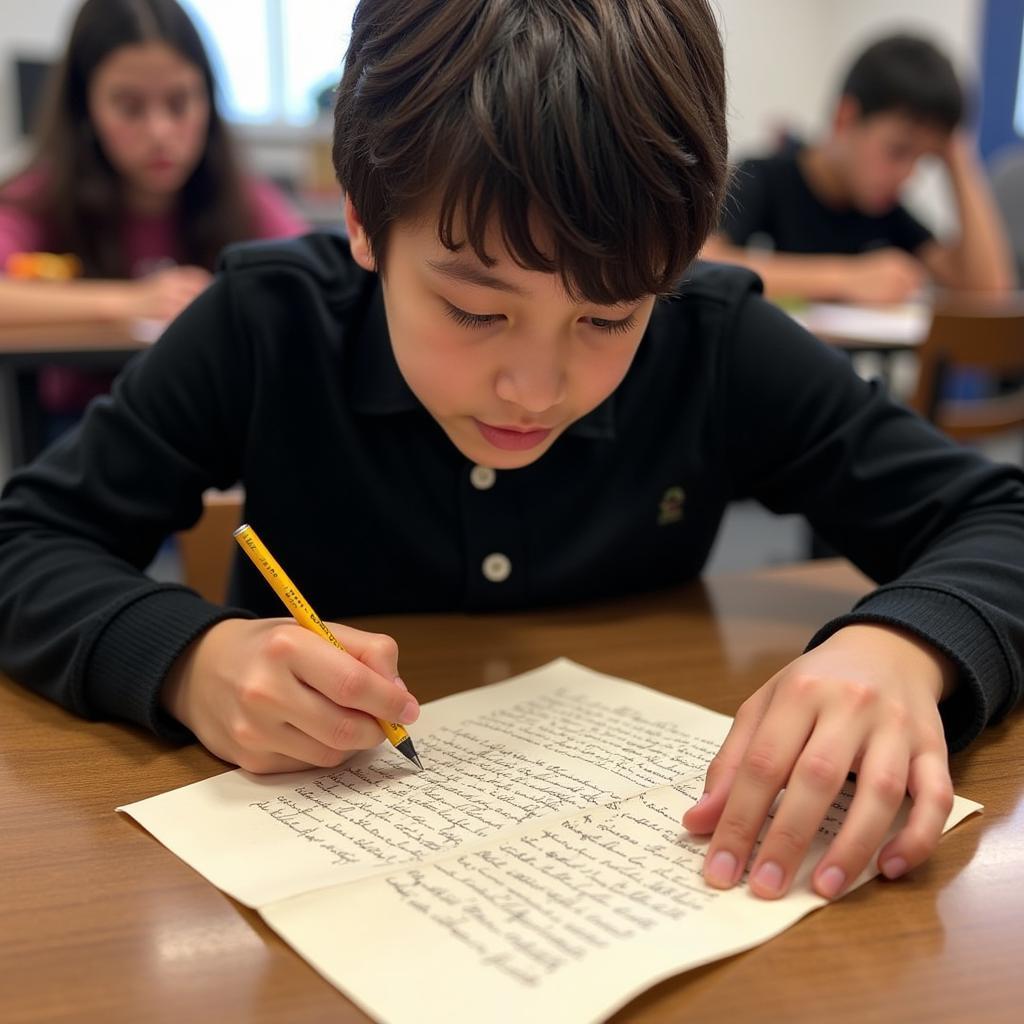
{"type": "Point", "coordinates": [605, 118]}
{"type": "Point", "coordinates": [907, 75]}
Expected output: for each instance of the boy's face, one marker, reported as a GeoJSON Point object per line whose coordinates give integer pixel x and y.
{"type": "Point", "coordinates": [878, 153]}
{"type": "Point", "coordinates": [501, 357]}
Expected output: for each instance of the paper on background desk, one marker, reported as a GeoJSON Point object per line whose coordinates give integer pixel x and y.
{"type": "Point", "coordinates": [146, 330]}
{"type": "Point", "coordinates": [535, 868]}
{"type": "Point", "coordinates": [905, 324]}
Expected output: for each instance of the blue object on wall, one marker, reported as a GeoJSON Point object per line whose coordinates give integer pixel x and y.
{"type": "Point", "coordinates": [1003, 28]}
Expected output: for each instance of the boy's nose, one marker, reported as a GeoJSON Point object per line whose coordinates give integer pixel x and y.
{"type": "Point", "coordinates": [532, 388]}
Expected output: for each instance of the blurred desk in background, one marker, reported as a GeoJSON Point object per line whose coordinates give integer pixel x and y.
{"type": "Point", "coordinates": [24, 350]}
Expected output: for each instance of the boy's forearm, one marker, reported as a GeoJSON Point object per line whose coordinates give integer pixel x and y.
{"type": "Point", "coordinates": [785, 275]}
{"type": "Point", "coordinates": [980, 258]}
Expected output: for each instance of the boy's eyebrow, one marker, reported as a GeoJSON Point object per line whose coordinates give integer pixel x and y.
{"type": "Point", "coordinates": [471, 274]}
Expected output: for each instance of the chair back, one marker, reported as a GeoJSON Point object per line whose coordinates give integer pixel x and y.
{"type": "Point", "coordinates": [208, 548]}
{"type": "Point", "coordinates": [982, 334]}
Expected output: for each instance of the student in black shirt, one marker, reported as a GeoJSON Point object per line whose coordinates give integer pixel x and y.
{"type": "Point", "coordinates": [824, 221]}
{"type": "Point", "coordinates": [484, 400]}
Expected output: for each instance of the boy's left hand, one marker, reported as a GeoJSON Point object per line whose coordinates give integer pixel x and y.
{"type": "Point", "coordinates": [865, 700]}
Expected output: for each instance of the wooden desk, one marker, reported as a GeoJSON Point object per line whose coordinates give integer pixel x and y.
{"type": "Point", "coordinates": [101, 923]}
{"type": "Point", "coordinates": [23, 350]}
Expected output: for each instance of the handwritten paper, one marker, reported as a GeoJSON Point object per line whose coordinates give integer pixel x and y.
{"type": "Point", "coordinates": [552, 741]}
{"type": "Point", "coordinates": [536, 867]}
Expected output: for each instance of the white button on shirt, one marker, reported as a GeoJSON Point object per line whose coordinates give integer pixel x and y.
{"type": "Point", "coordinates": [482, 477]}
{"type": "Point", "coordinates": [497, 567]}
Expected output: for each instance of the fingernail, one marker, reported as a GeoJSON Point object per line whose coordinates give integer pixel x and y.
{"type": "Point", "coordinates": [398, 682]}
{"type": "Point", "coordinates": [703, 799]}
{"type": "Point", "coordinates": [894, 867]}
{"type": "Point", "coordinates": [686, 814]}
{"type": "Point", "coordinates": [410, 713]}
{"type": "Point", "coordinates": [768, 877]}
{"type": "Point", "coordinates": [721, 870]}
{"type": "Point", "coordinates": [831, 881]}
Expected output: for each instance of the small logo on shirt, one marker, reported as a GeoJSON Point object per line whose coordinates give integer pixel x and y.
{"type": "Point", "coordinates": [670, 508]}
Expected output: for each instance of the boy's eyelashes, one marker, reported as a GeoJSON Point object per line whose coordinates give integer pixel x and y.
{"type": "Point", "coordinates": [464, 319]}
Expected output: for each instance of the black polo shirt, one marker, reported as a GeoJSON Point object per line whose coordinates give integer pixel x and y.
{"type": "Point", "coordinates": [770, 203]}
{"type": "Point", "coordinates": [281, 376]}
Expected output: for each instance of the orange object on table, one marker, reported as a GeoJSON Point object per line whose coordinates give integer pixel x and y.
{"type": "Point", "coordinates": [43, 266]}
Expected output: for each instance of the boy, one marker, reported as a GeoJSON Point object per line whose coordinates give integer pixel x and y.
{"type": "Point", "coordinates": [830, 212]}
{"type": "Point", "coordinates": [482, 399]}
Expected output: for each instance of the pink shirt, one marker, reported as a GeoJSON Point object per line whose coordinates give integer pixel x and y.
{"type": "Point", "coordinates": [149, 242]}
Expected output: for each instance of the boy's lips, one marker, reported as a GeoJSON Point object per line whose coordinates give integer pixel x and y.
{"type": "Point", "coordinates": [513, 439]}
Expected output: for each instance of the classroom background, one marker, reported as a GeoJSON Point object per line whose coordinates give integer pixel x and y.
{"type": "Point", "coordinates": [277, 61]}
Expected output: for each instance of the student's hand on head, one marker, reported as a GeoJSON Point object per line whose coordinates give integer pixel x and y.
{"type": "Point", "coordinates": [886, 275]}
{"type": "Point", "coordinates": [163, 295]}
{"type": "Point", "coordinates": [271, 696]}
{"type": "Point", "coordinates": [865, 700]}
{"type": "Point", "coordinates": [960, 150]}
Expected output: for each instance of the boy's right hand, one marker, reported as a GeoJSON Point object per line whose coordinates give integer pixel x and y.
{"type": "Point", "coordinates": [883, 276]}
{"type": "Point", "coordinates": [271, 696]}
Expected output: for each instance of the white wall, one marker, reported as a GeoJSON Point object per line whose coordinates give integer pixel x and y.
{"type": "Point", "coordinates": [28, 28]}
{"type": "Point", "coordinates": [777, 63]}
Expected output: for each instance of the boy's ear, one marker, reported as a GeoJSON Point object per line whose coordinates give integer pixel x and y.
{"type": "Point", "coordinates": [358, 240]}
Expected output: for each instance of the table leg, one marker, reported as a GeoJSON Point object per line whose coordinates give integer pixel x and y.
{"type": "Point", "coordinates": [10, 424]}
{"type": "Point", "coordinates": [29, 416]}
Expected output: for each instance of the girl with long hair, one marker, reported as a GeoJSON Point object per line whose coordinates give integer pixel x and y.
{"type": "Point", "coordinates": [135, 175]}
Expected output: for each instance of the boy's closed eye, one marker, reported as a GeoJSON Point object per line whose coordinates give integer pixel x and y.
{"type": "Point", "coordinates": [471, 320]}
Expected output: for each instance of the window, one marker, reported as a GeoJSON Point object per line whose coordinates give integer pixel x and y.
{"type": "Point", "coordinates": [1001, 121]}
{"type": "Point", "coordinates": [273, 58]}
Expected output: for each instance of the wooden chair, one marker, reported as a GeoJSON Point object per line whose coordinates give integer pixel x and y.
{"type": "Point", "coordinates": [208, 548]}
{"type": "Point", "coordinates": [979, 334]}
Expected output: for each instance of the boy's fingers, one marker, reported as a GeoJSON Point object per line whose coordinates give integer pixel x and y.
{"type": "Point", "coordinates": [357, 686]}
{"type": "Point", "coordinates": [333, 729]}
{"type": "Point", "coordinates": [378, 650]}
{"type": "Point", "coordinates": [703, 816]}
{"type": "Point", "coordinates": [300, 746]}
{"type": "Point", "coordinates": [932, 791]}
{"type": "Point", "coordinates": [818, 775]}
{"type": "Point", "coordinates": [763, 771]}
{"type": "Point", "coordinates": [881, 787]}
{"type": "Point", "coordinates": [339, 676]}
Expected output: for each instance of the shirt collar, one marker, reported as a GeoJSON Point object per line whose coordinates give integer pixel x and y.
{"type": "Point", "coordinates": [377, 385]}
{"type": "Point", "coordinates": [379, 389]}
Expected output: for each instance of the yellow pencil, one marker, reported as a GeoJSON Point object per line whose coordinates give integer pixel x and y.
{"type": "Point", "coordinates": [305, 616]}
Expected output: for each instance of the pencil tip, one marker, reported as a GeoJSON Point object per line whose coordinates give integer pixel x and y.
{"type": "Point", "coordinates": [408, 750]}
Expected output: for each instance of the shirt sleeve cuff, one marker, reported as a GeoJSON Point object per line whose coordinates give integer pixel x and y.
{"type": "Point", "coordinates": [135, 651]}
{"type": "Point", "coordinates": [957, 629]}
